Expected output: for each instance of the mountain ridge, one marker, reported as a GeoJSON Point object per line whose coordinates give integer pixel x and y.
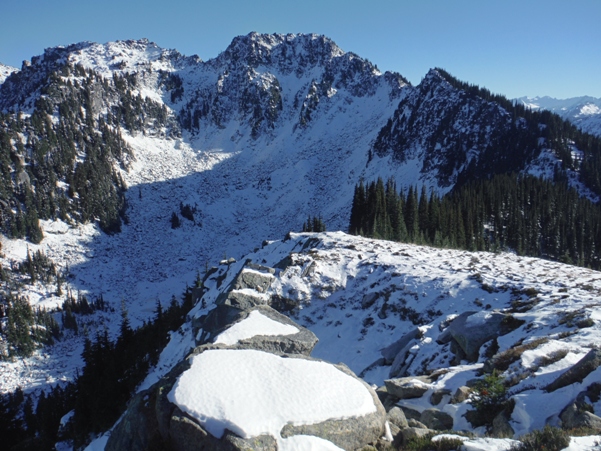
{"type": "Point", "coordinates": [239, 149]}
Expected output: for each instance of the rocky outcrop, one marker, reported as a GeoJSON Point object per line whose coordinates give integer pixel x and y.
{"type": "Point", "coordinates": [577, 373]}
{"type": "Point", "coordinates": [408, 387]}
{"type": "Point", "coordinates": [351, 433]}
{"type": "Point", "coordinates": [470, 330]}
{"type": "Point", "coordinates": [156, 420]}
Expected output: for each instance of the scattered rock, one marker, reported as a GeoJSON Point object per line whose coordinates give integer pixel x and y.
{"type": "Point", "coordinates": [471, 330]}
{"type": "Point", "coordinates": [437, 419]}
{"type": "Point", "coordinates": [413, 423]}
{"type": "Point", "coordinates": [461, 394]}
{"type": "Point", "coordinates": [500, 427]}
{"type": "Point", "coordinates": [573, 416]}
{"type": "Point", "coordinates": [578, 371]}
{"type": "Point", "coordinates": [254, 279]}
{"type": "Point", "coordinates": [396, 416]}
{"type": "Point", "coordinates": [411, 414]}
{"type": "Point", "coordinates": [413, 432]}
{"type": "Point", "coordinates": [438, 396]}
{"type": "Point", "coordinates": [408, 387]}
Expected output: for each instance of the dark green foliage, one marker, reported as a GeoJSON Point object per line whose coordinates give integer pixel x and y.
{"type": "Point", "coordinates": [114, 369]}
{"type": "Point", "coordinates": [27, 328]}
{"type": "Point", "coordinates": [525, 214]}
{"type": "Point", "coordinates": [547, 439]}
{"type": "Point", "coordinates": [314, 224]}
{"type": "Point", "coordinates": [175, 221]}
{"type": "Point", "coordinates": [99, 395]}
{"type": "Point", "coordinates": [489, 397]}
{"type": "Point", "coordinates": [427, 444]}
{"type": "Point", "coordinates": [188, 212]}
{"type": "Point", "coordinates": [60, 161]}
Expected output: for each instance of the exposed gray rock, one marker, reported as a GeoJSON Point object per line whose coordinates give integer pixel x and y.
{"type": "Point", "coordinates": [413, 423]}
{"type": "Point", "coordinates": [390, 352]}
{"type": "Point", "coordinates": [471, 330]}
{"type": "Point", "coordinates": [590, 362]}
{"type": "Point", "coordinates": [408, 387]}
{"type": "Point", "coordinates": [500, 427]}
{"type": "Point", "coordinates": [437, 419]}
{"type": "Point", "coordinates": [138, 429]}
{"type": "Point", "coordinates": [411, 414]}
{"type": "Point", "coordinates": [394, 430]}
{"type": "Point", "coordinates": [231, 442]}
{"type": "Point", "coordinates": [397, 417]}
{"type": "Point", "coordinates": [242, 299]}
{"type": "Point", "coordinates": [460, 395]}
{"type": "Point", "coordinates": [302, 342]}
{"type": "Point", "coordinates": [152, 419]}
{"type": "Point", "coordinates": [573, 416]}
{"type": "Point", "coordinates": [438, 396]}
{"type": "Point", "coordinates": [369, 299]}
{"type": "Point", "coordinates": [216, 321]}
{"type": "Point", "coordinates": [351, 433]}
{"type": "Point", "coordinates": [254, 279]}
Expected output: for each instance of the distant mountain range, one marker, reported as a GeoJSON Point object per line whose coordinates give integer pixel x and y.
{"type": "Point", "coordinates": [585, 111]}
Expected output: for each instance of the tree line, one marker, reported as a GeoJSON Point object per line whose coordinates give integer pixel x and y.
{"type": "Point", "coordinates": [524, 214]}
{"type": "Point", "coordinates": [98, 396]}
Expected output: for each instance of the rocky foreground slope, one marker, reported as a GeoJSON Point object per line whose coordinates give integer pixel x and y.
{"type": "Point", "coordinates": [428, 328]}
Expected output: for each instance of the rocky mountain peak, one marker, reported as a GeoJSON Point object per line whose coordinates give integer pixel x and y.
{"type": "Point", "coordinates": [255, 49]}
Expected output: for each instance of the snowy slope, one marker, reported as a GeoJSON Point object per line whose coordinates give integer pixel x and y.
{"type": "Point", "coordinates": [359, 296]}
{"type": "Point", "coordinates": [5, 71]}
{"type": "Point", "coordinates": [585, 111]}
{"type": "Point", "coordinates": [278, 127]}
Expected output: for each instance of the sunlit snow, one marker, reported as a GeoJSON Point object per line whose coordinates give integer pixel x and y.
{"type": "Point", "coordinates": [255, 324]}
{"type": "Point", "coordinates": [253, 393]}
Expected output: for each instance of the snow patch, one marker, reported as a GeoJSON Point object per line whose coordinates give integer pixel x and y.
{"type": "Point", "coordinates": [255, 324]}
{"type": "Point", "coordinates": [253, 393]}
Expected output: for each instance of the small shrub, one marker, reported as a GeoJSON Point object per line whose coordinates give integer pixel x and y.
{"type": "Point", "coordinates": [587, 322]}
{"type": "Point", "coordinates": [488, 397]}
{"type": "Point", "coordinates": [502, 360]}
{"type": "Point", "coordinates": [547, 439]}
{"type": "Point", "coordinates": [427, 444]}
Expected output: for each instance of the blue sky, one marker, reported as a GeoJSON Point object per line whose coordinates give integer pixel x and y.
{"type": "Point", "coordinates": [515, 48]}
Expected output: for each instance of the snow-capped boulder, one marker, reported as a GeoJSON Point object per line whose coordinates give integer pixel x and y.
{"type": "Point", "coordinates": [408, 387]}
{"type": "Point", "coordinates": [471, 330]}
{"type": "Point", "coordinates": [251, 384]}
{"type": "Point", "coordinates": [265, 329]}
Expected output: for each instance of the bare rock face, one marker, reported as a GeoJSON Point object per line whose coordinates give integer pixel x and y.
{"type": "Point", "coordinates": [397, 417]}
{"type": "Point", "coordinates": [573, 417]}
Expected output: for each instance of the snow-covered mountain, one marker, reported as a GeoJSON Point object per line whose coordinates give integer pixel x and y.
{"type": "Point", "coordinates": [276, 128]}
{"type": "Point", "coordinates": [5, 71]}
{"type": "Point", "coordinates": [585, 111]}
{"type": "Point", "coordinates": [239, 149]}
